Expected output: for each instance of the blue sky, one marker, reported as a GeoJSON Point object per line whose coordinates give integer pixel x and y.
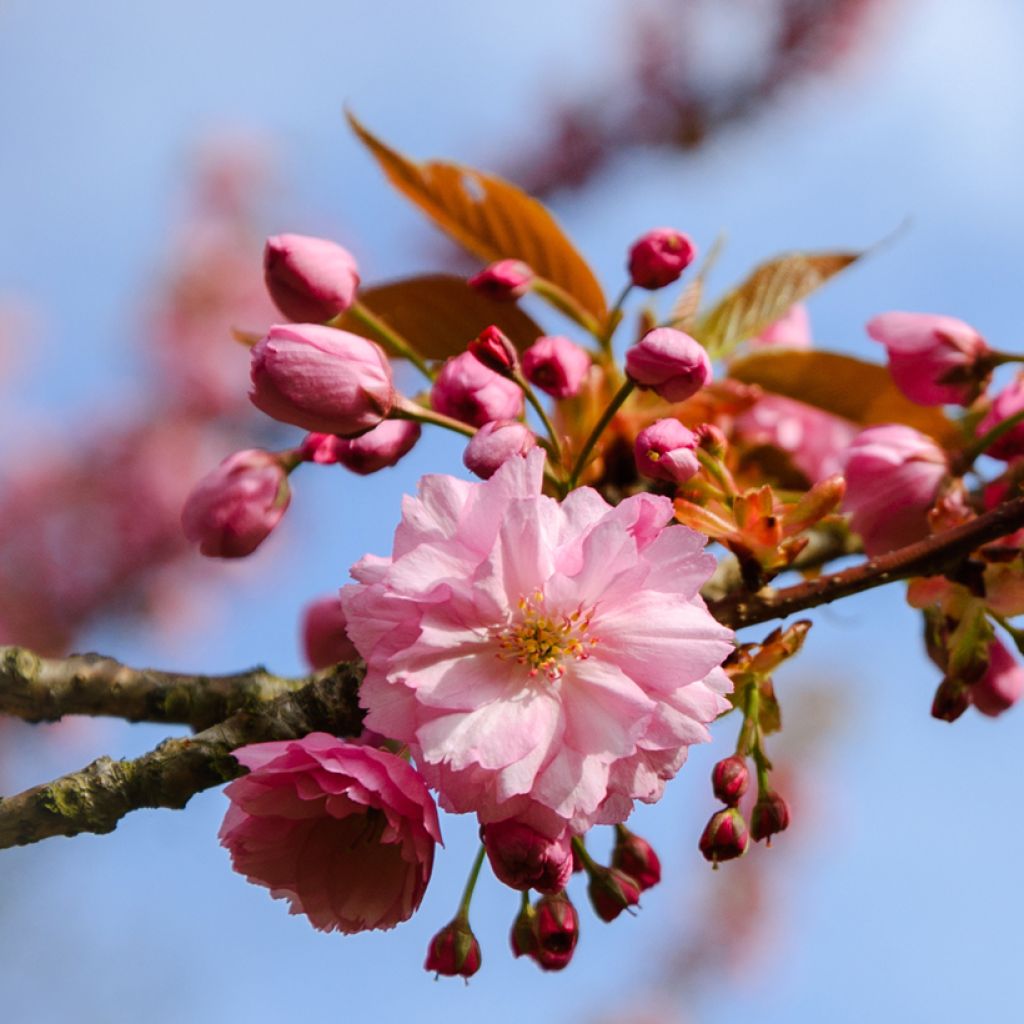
{"type": "Point", "coordinates": [902, 879]}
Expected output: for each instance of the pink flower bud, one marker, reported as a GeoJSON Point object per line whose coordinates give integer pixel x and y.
{"type": "Point", "coordinates": [378, 448]}
{"type": "Point", "coordinates": [324, 639]}
{"type": "Point", "coordinates": [725, 837]}
{"type": "Point", "coordinates": [951, 700]}
{"type": "Point", "coordinates": [493, 348]}
{"type": "Point", "coordinates": [504, 281]}
{"type": "Point", "coordinates": [636, 857]}
{"type": "Point", "coordinates": [711, 440]}
{"type": "Point", "coordinates": [1001, 685]}
{"type": "Point", "coordinates": [494, 444]}
{"type": "Point", "coordinates": [934, 360]}
{"type": "Point", "coordinates": [232, 510]}
{"type": "Point", "coordinates": [321, 379]}
{"type": "Point", "coordinates": [669, 362]}
{"type": "Point", "coordinates": [1007, 403]}
{"type": "Point", "coordinates": [556, 365]}
{"type": "Point", "coordinates": [665, 451]}
{"type": "Point", "coordinates": [769, 817]}
{"type": "Point", "coordinates": [730, 779]}
{"type": "Point", "coordinates": [791, 330]}
{"type": "Point", "coordinates": [320, 448]}
{"type": "Point", "coordinates": [893, 475]}
{"type": "Point", "coordinates": [612, 891]}
{"type": "Point", "coordinates": [523, 938]}
{"type": "Point", "coordinates": [556, 929]}
{"type": "Point", "coordinates": [454, 951]}
{"type": "Point", "coordinates": [524, 859]}
{"type": "Point", "coordinates": [466, 390]}
{"type": "Point", "coordinates": [659, 257]}
{"type": "Point", "coordinates": [309, 279]}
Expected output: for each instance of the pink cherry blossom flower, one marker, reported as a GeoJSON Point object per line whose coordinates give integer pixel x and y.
{"type": "Point", "coordinates": [791, 330]}
{"type": "Point", "coordinates": [345, 833]}
{"type": "Point", "coordinates": [324, 639]}
{"type": "Point", "coordinates": [546, 662]}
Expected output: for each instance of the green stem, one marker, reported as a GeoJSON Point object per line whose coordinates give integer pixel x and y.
{"type": "Point", "coordinates": [565, 303]}
{"type": "Point", "coordinates": [994, 359]}
{"type": "Point", "coordinates": [613, 321]}
{"type": "Point", "coordinates": [404, 409]}
{"type": "Point", "coordinates": [531, 397]}
{"type": "Point", "coordinates": [467, 893]}
{"type": "Point", "coordinates": [987, 440]}
{"type": "Point", "coordinates": [606, 417]}
{"type": "Point", "coordinates": [391, 339]}
{"type": "Point", "coordinates": [1015, 634]}
{"type": "Point", "coordinates": [581, 851]}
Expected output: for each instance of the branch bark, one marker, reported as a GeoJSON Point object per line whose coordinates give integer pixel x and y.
{"type": "Point", "coordinates": [97, 797]}
{"type": "Point", "coordinates": [933, 556]}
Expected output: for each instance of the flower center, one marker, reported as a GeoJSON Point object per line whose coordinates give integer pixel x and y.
{"type": "Point", "coordinates": [543, 640]}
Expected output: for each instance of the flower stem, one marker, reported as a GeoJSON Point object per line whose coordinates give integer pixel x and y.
{"type": "Point", "coordinates": [988, 439]}
{"type": "Point", "coordinates": [581, 851]}
{"type": "Point", "coordinates": [467, 893]}
{"type": "Point", "coordinates": [1015, 634]}
{"type": "Point", "coordinates": [404, 409]}
{"type": "Point", "coordinates": [565, 303]}
{"type": "Point", "coordinates": [606, 417]}
{"type": "Point", "coordinates": [613, 321]}
{"type": "Point", "coordinates": [391, 339]}
{"type": "Point", "coordinates": [531, 397]}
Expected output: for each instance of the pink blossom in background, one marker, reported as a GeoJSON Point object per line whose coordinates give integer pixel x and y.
{"type": "Point", "coordinates": [345, 833]}
{"type": "Point", "coordinates": [893, 475]}
{"type": "Point", "coordinates": [503, 281]}
{"type": "Point", "coordinates": [309, 279]}
{"type": "Point", "coordinates": [548, 662]}
{"type": "Point", "coordinates": [325, 641]}
{"type": "Point", "coordinates": [924, 349]}
{"type": "Point", "coordinates": [321, 379]}
{"type": "Point", "coordinates": [468, 391]}
{"type": "Point", "coordinates": [791, 330]}
{"type": "Point", "coordinates": [1007, 403]}
{"type": "Point", "coordinates": [383, 446]}
{"type": "Point", "coordinates": [815, 440]}
{"type": "Point", "coordinates": [1002, 684]}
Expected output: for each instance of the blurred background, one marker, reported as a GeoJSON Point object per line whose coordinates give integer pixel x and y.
{"type": "Point", "coordinates": [148, 149]}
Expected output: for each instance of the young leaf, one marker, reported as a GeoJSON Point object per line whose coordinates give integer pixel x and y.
{"type": "Point", "coordinates": [492, 219]}
{"type": "Point", "coordinates": [439, 314]}
{"type": "Point", "coordinates": [766, 295]}
{"type": "Point", "coordinates": [858, 391]}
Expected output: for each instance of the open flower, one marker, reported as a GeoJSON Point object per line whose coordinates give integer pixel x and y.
{"type": "Point", "coordinates": [545, 662]}
{"type": "Point", "coordinates": [346, 833]}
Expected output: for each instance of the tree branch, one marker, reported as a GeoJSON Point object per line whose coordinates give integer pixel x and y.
{"type": "Point", "coordinates": [97, 797]}
{"type": "Point", "coordinates": [933, 556]}
{"type": "Point", "coordinates": [45, 689]}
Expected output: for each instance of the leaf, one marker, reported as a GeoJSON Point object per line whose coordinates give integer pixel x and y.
{"type": "Point", "coordinates": [491, 218]}
{"type": "Point", "coordinates": [687, 305]}
{"type": "Point", "coordinates": [770, 290]}
{"type": "Point", "coordinates": [848, 387]}
{"type": "Point", "coordinates": [439, 314]}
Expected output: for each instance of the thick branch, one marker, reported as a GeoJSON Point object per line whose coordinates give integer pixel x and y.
{"type": "Point", "coordinates": [97, 797]}
{"type": "Point", "coordinates": [45, 689]}
{"type": "Point", "coordinates": [933, 556]}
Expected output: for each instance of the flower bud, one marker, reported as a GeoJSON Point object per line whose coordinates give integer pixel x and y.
{"type": "Point", "coordinates": [1001, 685]}
{"type": "Point", "coordinates": [232, 510]}
{"type": "Point", "coordinates": [320, 448]}
{"type": "Point", "coordinates": [710, 439]}
{"type": "Point", "coordinates": [324, 639]}
{"type": "Point", "coordinates": [309, 279]}
{"type": "Point", "coordinates": [524, 859]}
{"type": "Point", "coordinates": [504, 281]}
{"type": "Point", "coordinates": [454, 951]}
{"type": "Point", "coordinates": [556, 365]}
{"type": "Point", "coordinates": [611, 891]}
{"type": "Point", "coordinates": [1007, 403]}
{"type": "Point", "coordinates": [730, 779]}
{"type": "Point", "coordinates": [556, 930]}
{"type": "Point", "coordinates": [670, 363]}
{"type": "Point", "coordinates": [893, 475]}
{"type": "Point", "coordinates": [321, 379]}
{"type": "Point", "coordinates": [933, 360]}
{"type": "Point", "coordinates": [636, 857]}
{"type": "Point", "coordinates": [467, 391]}
{"type": "Point", "coordinates": [725, 837]}
{"type": "Point", "coordinates": [659, 257]}
{"type": "Point", "coordinates": [523, 937]}
{"type": "Point", "coordinates": [665, 451]}
{"type": "Point", "coordinates": [769, 816]}
{"type": "Point", "coordinates": [378, 448]}
{"type": "Point", "coordinates": [951, 700]}
{"type": "Point", "coordinates": [493, 348]}
{"type": "Point", "coordinates": [494, 444]}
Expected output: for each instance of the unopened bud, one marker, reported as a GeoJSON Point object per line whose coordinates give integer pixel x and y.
{"type": "Point", "coordinates": [467, 390]}
{"type": "Point", "coordinates": [504, 281]}
{"type": "Point", "coordinates": [665, 451]}
{"type": "Point", "coordinates": [379, 448]}
{"type": "Point", "coordinates": [556, 365]}
{"type": "Point", "coordinates": [310, 279]}
{"type": "Point", "coordinates": [730, 779]}
{"type": "Point", "coordinates": [612, 891]}
{"type": "Point", "coordinates": [636, 857]}
{"type": "Point", "coordinates": [523, 937]}
{"type": "Point", "coordinates": [320, 448]}
{"type": "Point", "coordinates": [659, 257]}
{"type": "Point", "coordinates": [725, 836]}
{"type": "Point", "coordinates": [670, 363]}
{"type": "Point", "coordinates": [951, 700]}
{"type": "Point", "coordinates": [494, 444]}
{"type": "Point", "coordinates": [454, 951]}
{"type": "Point", "coordinates": [325, 640]}
{"type": "Point", "coordinates": [1002, 684]}
{"type": "Point", "coordinates": [556, 930]}
{"type": "Point", "coordinates": [711, 439]}
{"type": "Point", "coordinates": [524, 859]}
{"type": "Point", "coordinates": [493, 348]}
{"type": "Point", "coordinates": [769, 817]}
